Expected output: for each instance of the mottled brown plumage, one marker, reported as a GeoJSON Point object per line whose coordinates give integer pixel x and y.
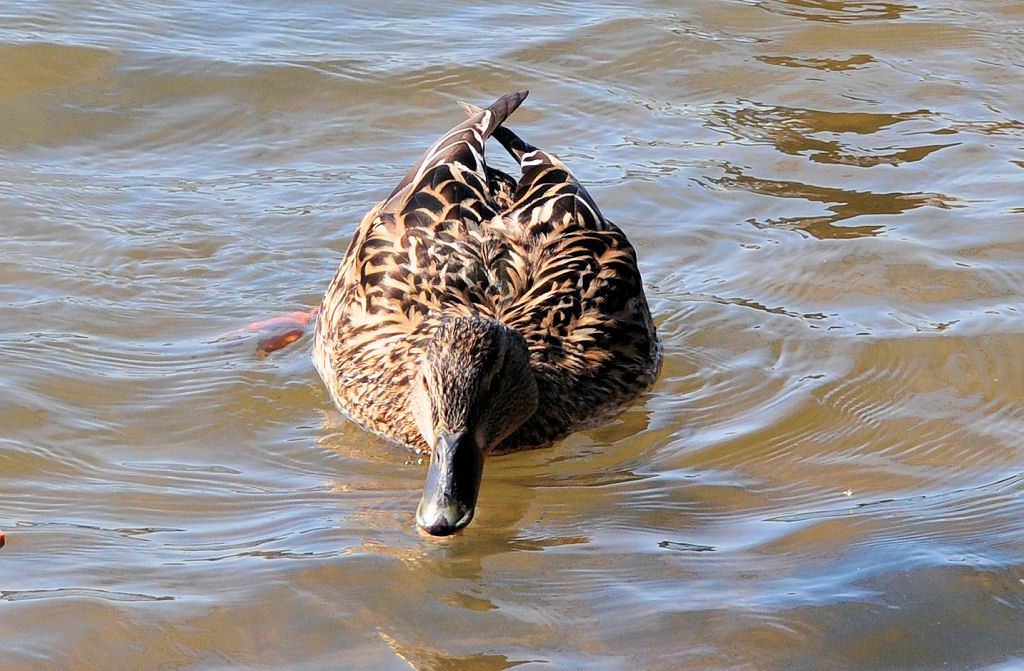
{"type": "Point", "coordinates": [511, 308]}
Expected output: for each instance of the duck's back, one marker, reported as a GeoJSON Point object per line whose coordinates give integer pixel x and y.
{"type": "Point", "coordinates": [456, 238]}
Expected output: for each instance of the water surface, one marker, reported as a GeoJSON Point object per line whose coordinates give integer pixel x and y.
{"type": "Point", "coordinates": [825, 197]}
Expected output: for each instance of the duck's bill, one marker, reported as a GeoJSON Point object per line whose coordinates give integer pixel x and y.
{"type": "Point", "coordinates": [453, 481]}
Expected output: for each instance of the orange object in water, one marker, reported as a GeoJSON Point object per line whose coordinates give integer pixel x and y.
{"type": "Point", "coordinates": [276, 342]}
{"type": "Point", "coordinates": [300, 318]}
{"type": "Point", "coordinates": [289, 328]}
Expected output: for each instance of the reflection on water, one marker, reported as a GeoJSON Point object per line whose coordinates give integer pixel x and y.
{"type": "Point", "coordinates": [791, 131]}
{"type": "Point", "coordinates": [837, 12]}
{"type": "Point", "coordinates": [827, 64]}
{"type": "Point", "coordinates": [829, 472]}
{"type": "Point", "coordinates": [845, 204]}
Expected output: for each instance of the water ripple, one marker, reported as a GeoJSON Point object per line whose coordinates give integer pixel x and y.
{"type": "Point", "coordinates": [823, 202]}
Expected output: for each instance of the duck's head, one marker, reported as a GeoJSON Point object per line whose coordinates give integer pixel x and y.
{"type": "Point", "coordinates": [474, 388]}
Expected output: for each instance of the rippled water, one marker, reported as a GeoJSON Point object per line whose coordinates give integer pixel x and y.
{"type": "Point", "coordinates": [826, 198]}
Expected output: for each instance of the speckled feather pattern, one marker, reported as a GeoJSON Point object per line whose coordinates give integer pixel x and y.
{"type": "Point", "coordinates": [458, 238]}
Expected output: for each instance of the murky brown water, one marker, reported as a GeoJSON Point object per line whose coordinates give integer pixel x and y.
{"type": "Point", "coordinates": [826, 197]}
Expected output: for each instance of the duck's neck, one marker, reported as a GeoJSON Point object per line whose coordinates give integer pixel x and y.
{"type": "Point", "coordinates": [474, 389]}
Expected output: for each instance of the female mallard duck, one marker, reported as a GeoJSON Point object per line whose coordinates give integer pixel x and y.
{"type": "Point", "coordinates": [475, 314]}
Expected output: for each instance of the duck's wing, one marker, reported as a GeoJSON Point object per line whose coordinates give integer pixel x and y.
{"type": "Point", "coordinates": [415, 250]}
{"type": "Point", "coordinates": [548, 195]}
{"type": "Point", "coordinates": [580, 302]}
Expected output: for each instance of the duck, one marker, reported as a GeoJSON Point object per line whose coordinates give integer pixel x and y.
{"type": "Point", "coordinates": [476, 314]}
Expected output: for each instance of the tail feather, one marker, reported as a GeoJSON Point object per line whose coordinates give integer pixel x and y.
{"type": "Point", "coordinates": [547, 189]}
{"type": "Point", "coordinates": [463, 146]}
{"type": "Point", "coordinates": [513, 144]}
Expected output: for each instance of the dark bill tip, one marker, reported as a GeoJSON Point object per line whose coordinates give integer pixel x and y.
{"type": "Point", "coordinates": [442, 520]}
{"type": "Point", "coordinates": [453, 480]}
